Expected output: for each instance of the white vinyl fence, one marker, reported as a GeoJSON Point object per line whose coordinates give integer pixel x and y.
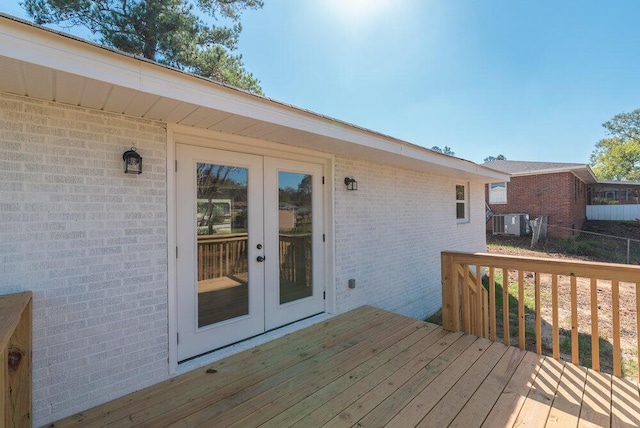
{"type": "Point", "coordinates": [613, 212]}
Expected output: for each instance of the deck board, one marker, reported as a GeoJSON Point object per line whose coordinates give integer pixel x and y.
{"type": "Point", "coordinates": [370, 367]}
{"type": "Point", "coordinates": [625, 404]}
{"type": "Point", "coordinates": [537, 405]}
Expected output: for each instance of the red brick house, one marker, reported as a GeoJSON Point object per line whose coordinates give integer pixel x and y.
{"type": "Point", "coordinates": [553, 189]}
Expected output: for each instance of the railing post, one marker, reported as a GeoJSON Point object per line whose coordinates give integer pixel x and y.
{"type": "Point", "coordinates": [628, 251]}
{"type": "Point", "coordinates": [450, 293]}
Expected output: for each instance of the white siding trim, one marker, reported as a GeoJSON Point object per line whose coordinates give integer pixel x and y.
{"type": "Point", "coordinates": [172, 288]}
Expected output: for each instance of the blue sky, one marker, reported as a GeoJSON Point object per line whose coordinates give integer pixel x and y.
{"type": "Point", "coordinates": [530, 80]}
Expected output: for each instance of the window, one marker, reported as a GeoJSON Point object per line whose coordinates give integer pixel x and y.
{"type": "Point", "coordinates": [461, 202]}
{"type": "Point", "coordinates": [498, 193]}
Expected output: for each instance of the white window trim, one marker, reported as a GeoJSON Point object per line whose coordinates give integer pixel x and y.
{"type": "Point", "coordinates": [465, 202]}
{"type": "Point", "coordinates": [503, 202]}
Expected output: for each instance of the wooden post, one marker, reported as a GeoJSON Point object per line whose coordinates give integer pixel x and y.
{"type": "Point", "coordinates": [15, 360]}
{"type": "Point", "coordinates": [450, 300]}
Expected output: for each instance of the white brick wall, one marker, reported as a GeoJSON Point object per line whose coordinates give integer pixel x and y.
{"type": "Point", "coordinates": [90, 242]}
{"type": "Point", "coordinates": [390, 232]}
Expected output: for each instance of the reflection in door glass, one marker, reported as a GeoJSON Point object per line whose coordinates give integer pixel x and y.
{"type": "Point", "coordinates": [294, 226]}
{"type": "Point", "coordinates": [222, 258]}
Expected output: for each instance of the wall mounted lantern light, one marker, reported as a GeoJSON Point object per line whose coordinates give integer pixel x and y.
{"type": "Point", "coordinates": [351, 183]}
{"type": "Point", "coordinates": [132, 162]}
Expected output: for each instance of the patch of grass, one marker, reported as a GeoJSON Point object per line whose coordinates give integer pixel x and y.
{"type": "Point", "coordinates": [584, 348]}
{"type": "Point", "coordinates": [629, 367]}
{"type": "Point", "coordinates": [529, 305]}
{"type": "Point", "coordinates": [580, 247]}
{"type": "Point", "coordinates": [435, 318]}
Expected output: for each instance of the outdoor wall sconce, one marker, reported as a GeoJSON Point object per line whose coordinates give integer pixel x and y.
{"type": "Point", "coordinates": [351, 183]}
{"type": "Point", "coordinates": [132, 162]}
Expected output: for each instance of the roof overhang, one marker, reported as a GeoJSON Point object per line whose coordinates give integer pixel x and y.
{"type": "Point", "coordinates": [619, 183]}
{"type": "Point", "coordinates": [583, 172]}
{"type": "Point", "coordinates": [45, 64]}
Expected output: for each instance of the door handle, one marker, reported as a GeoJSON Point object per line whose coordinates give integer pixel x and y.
{"type": "Point", "coordinates": [260, 259]}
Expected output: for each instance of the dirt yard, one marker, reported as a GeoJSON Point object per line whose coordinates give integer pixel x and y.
{"type": "Point", "coordinates": [629, 345]}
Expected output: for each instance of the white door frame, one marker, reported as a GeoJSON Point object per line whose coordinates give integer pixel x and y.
{"type": "Point", "coordinates": [205, 138]}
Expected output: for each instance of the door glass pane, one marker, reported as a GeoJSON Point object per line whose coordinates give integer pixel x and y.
{"type": "Point", "coordinates": [222, 257]}
{"type": "Point", "coordinates": [294, 227]}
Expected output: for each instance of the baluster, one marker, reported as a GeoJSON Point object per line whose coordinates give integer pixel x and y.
{"type": "Point", "coordinates": [615, 307]}
{"type": "Point", "coordinates": [466, 304]}
{"type": "Point", "coordinates": [554, 310]}
{"type": "Point", "coordinates": [595, 342]}
{"type": "Point", "coordinates": [492, 302]}
{"type": "Point", "coordinates": [638, 327]}
{"type": "Point", "coordinates": [575, 349]}
{"type": "Point", "coordinates": [521, 314]}
{"type": "Point", "coordinates": [479, 303]}
{"type": "Point", "coordinates": [505, 306]}
{"type": "Point", "coordinates": [538, 314]}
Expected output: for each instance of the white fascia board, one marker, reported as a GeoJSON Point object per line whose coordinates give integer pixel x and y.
{"type": "Point", "coordinates": [35, 45]}
{"type": "Point", "coordinates": [619, 183]}
{"type": "Point", "coordinates": [540, 171]}
{"type": "Point", "coordinates": [574, 170]}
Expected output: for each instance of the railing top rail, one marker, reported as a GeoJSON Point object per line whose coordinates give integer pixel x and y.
{"type": "Point", "coordinates": [11, 308]}
{"type": "Point", "coordinates": [578, 268]}
{"type": "Point", "coordinates": [222, 237]}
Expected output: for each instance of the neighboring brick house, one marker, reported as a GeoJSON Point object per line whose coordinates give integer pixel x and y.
{"type": "Point", "coordinates": [553, 189]}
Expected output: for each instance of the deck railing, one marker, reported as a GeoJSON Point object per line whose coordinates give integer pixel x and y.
{"type": "Point", "coordinates": [226, 254]}
{"type": "Point", "coordinates": [295, 258]}
{"type": "Point", "coordinates": [15, 360]}
{"type": "Point", "coordinates": [469, 295]}
{"type": "Point", "coordinates": [221, 255]}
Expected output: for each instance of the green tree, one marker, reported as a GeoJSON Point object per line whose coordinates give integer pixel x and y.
{"type": "Point", "coordinates": [618, 157]}
{"type": "Point", "coordinates": [493, 158]}
{"type": "Point", "coordinates": [446, 151]}
{"type": "Point", "coordinates": [170, 32]}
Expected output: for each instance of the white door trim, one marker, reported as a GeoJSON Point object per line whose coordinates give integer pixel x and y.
{"type": "Point", "coordinates": [189, 135]}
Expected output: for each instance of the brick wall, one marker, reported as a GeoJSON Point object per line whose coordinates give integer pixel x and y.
{"type": "Point", "coordinates": [90, 242]}
{"type": "Point", "coordinates": [390, 232]}
{"type": "Point", "coordinates": [561, 196]}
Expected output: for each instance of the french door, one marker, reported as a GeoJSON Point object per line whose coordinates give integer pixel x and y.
{"type": "Point", "coordinates": [250, 254]}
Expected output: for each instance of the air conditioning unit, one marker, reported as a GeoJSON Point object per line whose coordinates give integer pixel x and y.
{"type": "Point", "coordinates": [511, 224]}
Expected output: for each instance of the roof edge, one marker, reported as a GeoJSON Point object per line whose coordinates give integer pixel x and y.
{"type": "Point", "coordinates": [43, 46]}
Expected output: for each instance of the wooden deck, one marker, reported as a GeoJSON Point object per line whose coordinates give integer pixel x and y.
{"type": "Point", "coordinates": [370, 367]}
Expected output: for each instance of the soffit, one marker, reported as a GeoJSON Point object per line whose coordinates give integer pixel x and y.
{"type": "Point", "coordinates": [46, 65]}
